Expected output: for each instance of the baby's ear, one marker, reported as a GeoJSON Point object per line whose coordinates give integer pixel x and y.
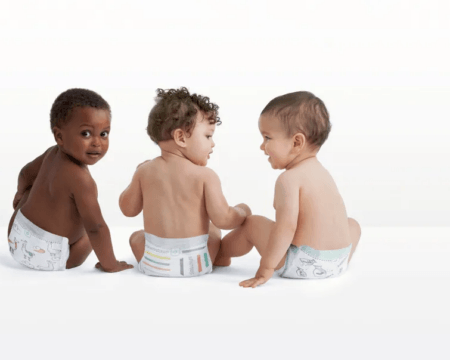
{"type": "Point", "coordinates": [180, 137]}
{"type": "Point", "coordinates": [299, 141]}
{"type": "Point", "coordinates": [57, 133]}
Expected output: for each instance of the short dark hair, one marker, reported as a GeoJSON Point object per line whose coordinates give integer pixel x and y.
{"type": "Point", "coordinates": [70, 99]}
{"type": "Point", "coordinates": [302, 112]}
{"type": "Point", "coordinates": [177, 108]}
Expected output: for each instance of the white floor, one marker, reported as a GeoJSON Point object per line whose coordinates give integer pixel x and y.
{"type": "Point", "coordinates": [393, 303]}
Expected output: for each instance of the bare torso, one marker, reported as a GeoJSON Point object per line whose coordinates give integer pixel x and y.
{"type": "Point", "coordinates": [50, 204]}
{"type": "Point", "coordinates": [173, 198]}
{"type": "Point", "coordinates": [322, 221]}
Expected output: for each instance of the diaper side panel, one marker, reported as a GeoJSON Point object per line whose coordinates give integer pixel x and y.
{"type": "Point", "coordinates": [34, 249]}
{"type": "Point", "coordinates": [306, 263]}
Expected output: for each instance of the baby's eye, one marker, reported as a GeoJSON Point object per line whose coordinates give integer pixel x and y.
{"type": "Point", "coordinates": [208, 136]}
{"type": "Point", "coordinates": [86, 133]}
{"type": "Point", "coordinates": [266, 137]}
{"type": "Point", "coordinates": [104, 134]}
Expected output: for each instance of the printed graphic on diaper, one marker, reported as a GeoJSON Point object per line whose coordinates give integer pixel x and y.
{"type": "Point", "coordinates": [16, 227]}
{"type": "Point", "coordinates": [319, 271]}
{"type": "Point", "coordinates": [301, 272]}
{"type": "Point", "coordinates": [155, 249]}
{"type": "Point", "coordinates": [175, 252]}
{"type": "Point", "coordinates": [182, 266]}
{"type": "Point", "coordinates": [307, 262]}
{"type": "Point", "coordinates": [27, 255]}
{"type": "Point", "coordinates": [199, 263]}
{"type": "Point", "coordinates": [50, 266]}
{"type": "Point", "coordinates": [39, 250]}
{"type": "Point", "coordinates": [206, 259]}
{"type": "Point", "coordinates": [157, 256]}
{"type": "Point", "coordinates": [191, 265]}
{"type": "Point", "coordinates": [13, 245]}
{"type": "Point", "coordinates": [191, 250]}
{"type": "Point", "coordinates": [54, 252]}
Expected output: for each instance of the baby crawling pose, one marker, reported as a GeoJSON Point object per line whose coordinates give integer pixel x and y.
{"type": "Point", "coordinates": [57, 220]}
{"type": "Point", "coordinates": [312, 237]}
{"type": "Point", "coordinates": [177, 193]}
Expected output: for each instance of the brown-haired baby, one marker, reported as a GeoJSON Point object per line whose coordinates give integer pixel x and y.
{"type": "Point", "coordinates": [57, 219]}
{"type": "Point", "coordinates": [312, 237]}
{"type": "Point", "coordinates": [182, 200]}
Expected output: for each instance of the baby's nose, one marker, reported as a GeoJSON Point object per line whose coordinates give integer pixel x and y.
{"type": "Point", "coordinates": [262, 146]}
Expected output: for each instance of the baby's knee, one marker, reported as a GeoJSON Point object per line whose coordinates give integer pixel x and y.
{"type": "Point", "coordinates": [355, 228]}
{"type": "Point", "coordinates": [135, 236]}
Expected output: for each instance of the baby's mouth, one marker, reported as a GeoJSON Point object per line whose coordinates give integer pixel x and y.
{"type": "Point", "coordinates": [94, 153]}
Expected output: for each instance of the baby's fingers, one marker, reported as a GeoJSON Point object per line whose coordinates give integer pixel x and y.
{"type": "Point", "coordinates": [247, 283]}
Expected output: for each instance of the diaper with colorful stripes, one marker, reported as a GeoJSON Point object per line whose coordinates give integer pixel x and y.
{"type": "Point", "coordinates": [183, 257]}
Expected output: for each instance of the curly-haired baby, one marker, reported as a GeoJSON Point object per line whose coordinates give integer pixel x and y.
{"type": "Point", "coordinates": [182, 200]}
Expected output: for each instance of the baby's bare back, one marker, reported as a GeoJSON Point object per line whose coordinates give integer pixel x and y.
{"type": "Point", "coordinates": [50, 204]}
{"type": "Point", "coordinates": [173, 198]}
{"type": "Point", "coordinates": [322, 221]}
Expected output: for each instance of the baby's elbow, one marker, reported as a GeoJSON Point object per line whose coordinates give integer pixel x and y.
{"type": "Point", "coordinates": [129, 212]}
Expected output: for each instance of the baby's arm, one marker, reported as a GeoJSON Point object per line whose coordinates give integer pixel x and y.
{"type": "Point", "coordinates": [220, 213]}
{"type": "Point", "coordinates": [282, 234]}
{"type": "Point", "coordinates": [27, 176]}
{"type": "Point", "coordinates": [84, 193]}
{"type": "Point", "coordinates": [131, 200]}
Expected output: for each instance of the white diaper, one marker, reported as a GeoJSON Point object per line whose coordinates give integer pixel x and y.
{"type": "Point", "coordinates": [304, 262]}
{"type": "Point", "coordinates": [36, 248]}
{"type": "Point", "coordinates": [183, 257]}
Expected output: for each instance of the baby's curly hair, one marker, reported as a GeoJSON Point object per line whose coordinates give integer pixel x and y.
{"type": "Point", "coordinates": [302, 112]}
{"type": "Point", "coordinates": [177, 109]}
{"type": "Point", "coordinates": [70, 99]}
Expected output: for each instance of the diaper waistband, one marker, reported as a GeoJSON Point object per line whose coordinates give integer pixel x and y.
{"type": "Point", "coordinates": [183, 244]}
{"type": "Point", "coordinates": [36, 230]}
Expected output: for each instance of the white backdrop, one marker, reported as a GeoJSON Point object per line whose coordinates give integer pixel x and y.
{"type": "Point", "coordinates": [381, 67]}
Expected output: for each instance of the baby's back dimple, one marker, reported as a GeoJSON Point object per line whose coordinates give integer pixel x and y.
{"type": "Point", "coordinates": [174, 205]}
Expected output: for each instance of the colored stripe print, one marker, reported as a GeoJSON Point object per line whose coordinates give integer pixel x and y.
{"type": "Point", "coordinates": [206, 260]}
{"type": "Point", "coordinates": [191, 250]}
{"type": "Point", "coordinates": [155, 267]}
{"type": "Point", "coordinates": [199, 263]}
{"type": "Point", "coordinates": [157, 256]}
{"type": "Point", "coordinates": [156, 262]}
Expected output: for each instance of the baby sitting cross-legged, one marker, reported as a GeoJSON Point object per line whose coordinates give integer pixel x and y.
{"type": "Point", "coordinates": [178, 194]}
{"type": "Point", "coordinates": [312, 237]}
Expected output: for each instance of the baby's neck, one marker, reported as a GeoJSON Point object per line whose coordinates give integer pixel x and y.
{"type": "Point", "coordinates": [300, 158]}
{"type": "Point", "coordinates": [170, 150]}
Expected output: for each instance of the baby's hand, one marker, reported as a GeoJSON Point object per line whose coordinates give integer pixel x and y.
{"type": "Point", "coordinates": [142, 163]}
{"type": "Point", "coordinates": [246, 208]}
{"type": "Point", "coordinates": [120, 266]}
{"type": "Point", "coordinates": [261, 277]}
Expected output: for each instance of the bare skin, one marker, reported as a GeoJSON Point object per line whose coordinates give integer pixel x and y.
{"type": "Point", "coordinates": [179, 196]}
{"type": "Point", "coordinates": [309, 208]}
{"type": "Point", "coordinates": [57, 193]}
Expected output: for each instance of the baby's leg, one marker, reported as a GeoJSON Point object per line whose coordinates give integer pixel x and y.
{"type": "Point", "coordinates": [254, 232]}
{"type": "Point", "coordinates": [79, 251]}
{"type": "Point", "coordinates": [137, 243]}
{"type": "Point", "coordinates": [213, 241]}
{"type": "Point", "coordinates": [355, 235]}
